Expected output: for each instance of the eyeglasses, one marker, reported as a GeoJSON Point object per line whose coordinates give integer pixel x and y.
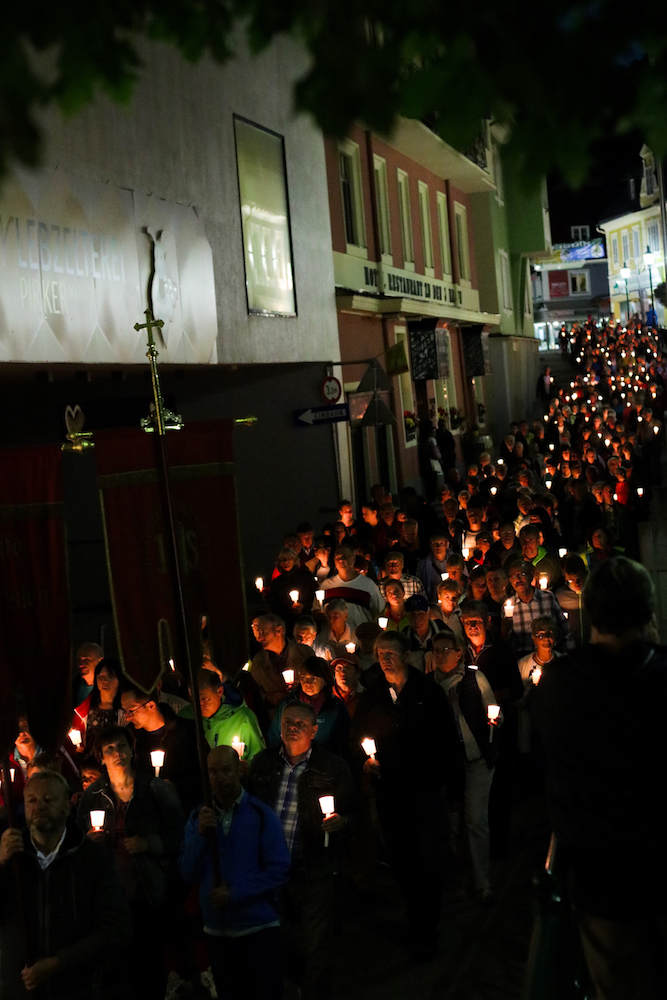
{"type": "Point", "coordinates": [129, 712]}
{"type": "Point", "coordinates": [544, 635]}
{"type": "Point", "coordinates": [472, 623]}
{"type": "Point", "coordinates": [445, 649]}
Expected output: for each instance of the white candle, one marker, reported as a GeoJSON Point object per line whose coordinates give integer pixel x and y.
{"type": "Point", "coordinates": [465, 553]}
{"type": "Point", "coordinates": [259, 583]}
{"type": "Point", "coordinates": [157, 760]}
{"type": "Point", "coordinates": [547, 483]}
{"type": "Point", "coordinates": [246, 665]}
{"type": "Point", "coordinates": [383, 622]}
{"type": "Point", "coordinates": [552, 447]}
{"type": "Point", "coordinates": [369, 748]}
{"type": "Point", "coordinates": [493, 490]}
{"type": "Point", "coordinates": [97, 819]}
{"type": "Point", "coordinates": [492, 711]}
{"type": "Point", "coordinates": [350, 647]}
{"type": "Point", "coordinates": [656, 430]}
{"type": "Point", "coordinates": [500, 462]}
{"type": "Point", "coordinates": [615, 496]}
{"type": "Point", "coordinates": [562, 553]}
{"type": "Point", "coordinates": [327, 807]}
{"type": "Point", "coordinates": [238, 745]}
{"type": "Point", "coordinates": [172, 665]}
{"type": "Point", "coordinates": [536, 675]}
{"type": "Point", "coordinates": [640, 491]}
{"type": "Point", "coordinates": [75, 737]}
{"type": "Point", "coordinates": [294, 596]}
{"type": "Point", "coordinates": [319, 594]}
{"type": "Point", "coordinates": [543, 582]}
{"type": "Point", "coordinates": [566, 614]}
{"type": "Point", "coordinates": [508, 608]}
{"type": "Point", "coordinates": [288, 676]}
{"type": "Point", "coordinates": [444, 576]}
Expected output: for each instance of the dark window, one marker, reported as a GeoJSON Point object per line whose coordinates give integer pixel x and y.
{"type": "Point", "coordinates": [348, 203]}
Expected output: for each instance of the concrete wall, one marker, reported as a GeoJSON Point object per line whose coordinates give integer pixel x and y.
{"type": "Point", "coordinates": [176, 140]}
{"type": "Point", "coordinates": [510, 388]}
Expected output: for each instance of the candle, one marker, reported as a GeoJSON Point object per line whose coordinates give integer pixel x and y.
{"type": "Point", "coordinates": [369, 748]}
{"type": "Point", "coordinates": [350, 647]}
{"type": "Point", "coordinates": [465, 553]}
{"type": "Point", "coordinates": [294, 596]}
{"type": "Point", "coordinates": [259, 583]}
{"type": "Point", "coordinates": [543, 582]}
{"type": "Point", "coordinates": [548, 483]}
{"type": "Point", "coordinates": [566, 614]}
{"type": "Point", "coordinates": [75, 737]}
{"type": "Point", "coordinates": [319, 594]}
{"type": "Point", "coordinates": [383, 622]}
{"type": "Point", "coordinates": [508, 608]}
{"type": "Point", "coordinates": [327, 807]}
{"type": "Point", "coordinates": [640, 491]}
{"type": "Point", "coordinates": [500, 462]}
{"type": "Point", "coordinates": [615, 496]}
{"type": "Point", "coordinates": [536, 674]}
{"type": "Point", "coordinates": [246, 665]}
{"type": "Point", "coordinates": [288, 676]}
{"type": "Point", "coordinates": [12, 772]}
{"type": "Point", "coordinates": [157, 760]}
{"type": "Point", "coordinates": [493, 490]}
{"type": "Point", "coordinates": [172, 665]}
{"type": "Point", "coordinates": [552, 447]}
{"type": "Point", "coordinates": [492, 711]}
{"type": "Point", "coordinates": [97, 819]}
{"type": "Point", "coordinates": [444, 576]}
{"type": "Point", "coordinates": [238, 745]}
{"type": "Point", "coordinates": [562, 553]}
{"type": "Point", "coordinates": [656, 430]}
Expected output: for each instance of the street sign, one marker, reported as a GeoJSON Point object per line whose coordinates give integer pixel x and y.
{"type": "Point", "coordinates": [321, 415]}
{"type": "Point", "coordinates": [331, 389]}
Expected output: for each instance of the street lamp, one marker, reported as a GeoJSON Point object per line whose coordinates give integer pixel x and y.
{"type": "Point", "coordinates": [625, 273]}
{"type": "Point", "coordinates": [648, 260]}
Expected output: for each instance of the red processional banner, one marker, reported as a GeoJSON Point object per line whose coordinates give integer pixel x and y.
{"type": "Point", "coordinates": [200, 460]}
{"type": "Point", "coordinates": [35, 654]}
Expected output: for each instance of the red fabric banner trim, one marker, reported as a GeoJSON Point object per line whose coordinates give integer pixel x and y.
{"type": "Point", "coordinates": [35, 642]}
{"type": "Point", "coordinates": [204, 501]}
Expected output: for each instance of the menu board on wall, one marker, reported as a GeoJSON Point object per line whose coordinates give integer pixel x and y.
{"type": "Point", "coordinates": [429, 349]}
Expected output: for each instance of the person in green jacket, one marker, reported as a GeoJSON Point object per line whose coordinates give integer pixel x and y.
{"type": "Point", "coordinates": [225, 724]}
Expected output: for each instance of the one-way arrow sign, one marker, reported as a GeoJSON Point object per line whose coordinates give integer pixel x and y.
{"type": "Point", "coordinates": [321, 415]}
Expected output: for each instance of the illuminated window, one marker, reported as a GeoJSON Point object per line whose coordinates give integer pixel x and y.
{"type": "Point", "coordinates": [653, 236]}
{"type": "Point", "coordinates": [614, 250]}
{"type": "Point", "coordinates": [267, 246]}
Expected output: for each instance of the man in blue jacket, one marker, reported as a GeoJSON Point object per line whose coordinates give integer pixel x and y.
{"type": "Point", "coordinates": [241, 921]}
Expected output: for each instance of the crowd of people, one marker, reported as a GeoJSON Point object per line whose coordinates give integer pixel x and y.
{"type": "Point", "coordinates": [406, 683]}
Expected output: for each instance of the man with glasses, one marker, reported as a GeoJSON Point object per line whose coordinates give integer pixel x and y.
{"type": "Point", "coordinates": [157, 727]}
{"type": "Point", "coordinates": [531, 603]}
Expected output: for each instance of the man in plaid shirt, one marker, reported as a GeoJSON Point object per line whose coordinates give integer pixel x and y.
{"type": "Point", "coordinates": [393, 567]}
{"type": "Point", "coordinates": [531, 603]}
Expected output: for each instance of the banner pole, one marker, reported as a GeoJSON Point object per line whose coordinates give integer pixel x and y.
{"type": "Point", "coordinates": [171, 547]}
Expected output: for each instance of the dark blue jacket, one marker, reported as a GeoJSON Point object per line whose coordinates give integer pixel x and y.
{"type": "Point", "coordinates": [254, 863]}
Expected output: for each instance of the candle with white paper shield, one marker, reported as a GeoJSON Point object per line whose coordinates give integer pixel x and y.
{"type": "Point", "coordinates": [238, 745]}
{"type": "Point", "coordinates": [444, 576]}
{"type": "Point", "coordinates": [294, 596]}
{"type": "Point", "coordinates": [383, 622]}
{"type": "Point", "coordinates": [288, 676]}
{"type": "Point", "coordinates": [97, 819]}
{"type": "Point", "coordinates": [350, 647]}
{"type": "Point", "coordinates": [75, 737]}
{"type": "Point", "coordinates": [508, 608]}
{"type": "Point", "coordinates": [368, 746]}
{"type": "Point", "coordinates": [543, 582]}
{"type": "Point", "coordinates": [492, 711]}
{"type": "Point", "coordinates": [319, 594]}
{"type": "Point", "coordinates": [157, 760]}
{"type": "Point", "coordinates": [562, 553]}
{"type": "Point", "coordinates": [259, 583]}
{"type": "Point", "coordinates": [327, 807]}
{"type": "Point", "coordinates": [465, 553]}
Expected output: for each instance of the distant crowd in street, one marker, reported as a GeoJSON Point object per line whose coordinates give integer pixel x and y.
{"type": "Point", "coordinates": [417, 664]}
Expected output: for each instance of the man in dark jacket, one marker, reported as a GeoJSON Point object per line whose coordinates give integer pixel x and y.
{"type": "Point", "coordinates": [76, 913]}
{"type": "Point", "coordinates": [418, 752]}
{"type": "Point", "coordinates": [292, 779]}
{"type": "Point", "coordinates": [600, 716]}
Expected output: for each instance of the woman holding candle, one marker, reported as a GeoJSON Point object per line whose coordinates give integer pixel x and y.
{"type": "Point", "coordinates": [531, 668]}
{"type": "Point", "coordinates": [315, 687]}
{"type": "Point", "coordinates": [102, 707]}
{"type": "Point", "coordinates": [394, 593]}
{"type": "Point", "coordinates": [143, 826]}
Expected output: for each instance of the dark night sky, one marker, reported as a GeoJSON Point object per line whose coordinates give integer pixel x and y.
{"type": "Point", "coordinates": [606, 193]}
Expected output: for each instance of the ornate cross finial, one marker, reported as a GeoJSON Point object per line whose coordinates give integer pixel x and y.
{"type": "Point", "coordinates": [152, 355]}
